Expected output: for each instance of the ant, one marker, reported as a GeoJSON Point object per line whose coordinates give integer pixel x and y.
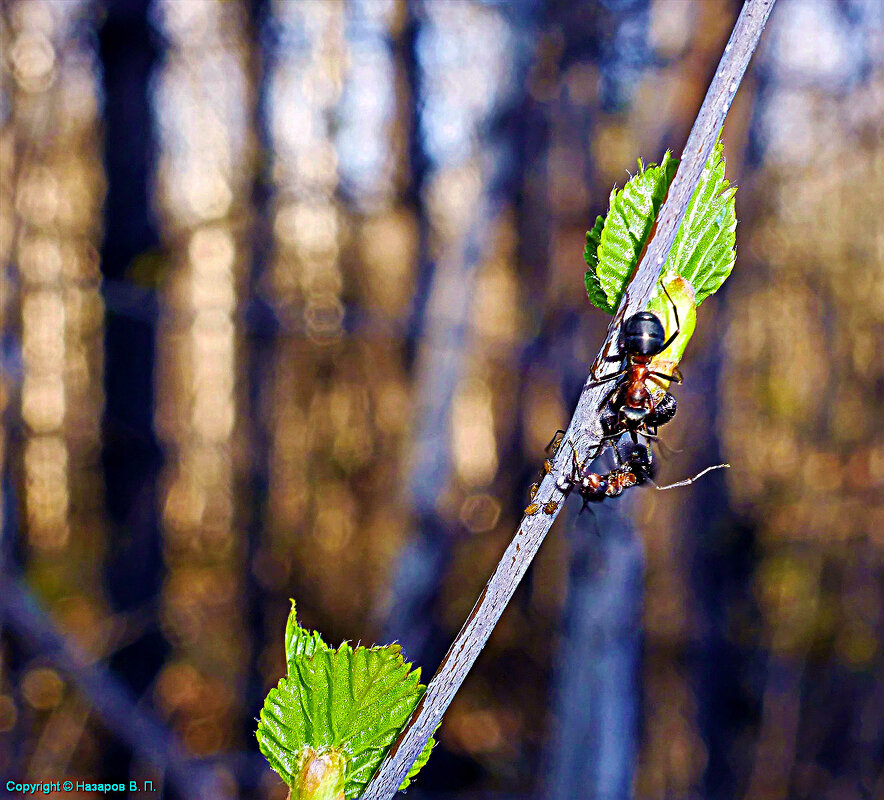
{"type": "Point", "coordinates": [636, 467]}
{"type": "Point", "coordinates": [631, 406]}
{"type": "Point", "coordinates": [592, 486]}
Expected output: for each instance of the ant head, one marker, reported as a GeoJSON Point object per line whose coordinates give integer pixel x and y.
{"type": "Point", "coordinates": [643, 334]}
{"type": "Point", "coordinates": [632, 417]}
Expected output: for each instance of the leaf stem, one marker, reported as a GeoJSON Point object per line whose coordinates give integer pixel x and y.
{"type": "Point", "coordinates": [585, 428]}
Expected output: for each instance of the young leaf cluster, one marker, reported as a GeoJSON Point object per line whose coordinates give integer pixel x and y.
{"type": "Point", "coordinates": [703, 253]}
{"type": "Point", "coordinates": [351, 701]}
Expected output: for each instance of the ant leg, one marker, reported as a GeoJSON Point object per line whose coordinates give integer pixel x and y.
{"type": "Point", "coordinates": [565, 483]}
{"type": "Point", "coordinates": [610, 359]}
{"type": "Point", "coordinates": [575, 463]}
{"type": "Point", "coordinates": [667, 451]}
{"type": "Point", "coordinates": [672, 338]}
{"type": "Point", "coordinates": [603, 443]}
{"type": "Point", "coordinates": [615, 357]}
{"type": "Point", "coordinates": [652, 437]}
{"type": "Point", "coordinates": [609, 395]}
{"type": "Point", "coordinates": [607, 378]}
{"type": "Point", "coordinates": [688, 481]}
{"type": "Point", "coordinates": [555, 436]}
{"type": "Point", "coordinates": [674, 378]}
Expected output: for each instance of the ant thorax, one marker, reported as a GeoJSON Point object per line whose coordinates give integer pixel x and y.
{"type": "Point", "coordinates": [637, 393]}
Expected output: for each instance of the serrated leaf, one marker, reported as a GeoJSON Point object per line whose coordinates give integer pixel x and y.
{"type": "Point", "coordinates": [630, 219]}
{"type": "Point", "coordinates": [299, 642]}
{"type": "Point", "coordinates": [419, 764]}
{"type": "Point", "coordinates": [703, 252]}
{"type": "Point", "coordinates": [594, 289]}
{"type": "Point", "coordinates": [352, 701]}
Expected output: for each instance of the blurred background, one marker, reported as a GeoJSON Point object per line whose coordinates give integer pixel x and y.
{"type": "Point", "coordinates": [291, 300]}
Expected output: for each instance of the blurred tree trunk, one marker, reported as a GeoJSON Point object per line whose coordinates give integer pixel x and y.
{"type": "Point", "coordinates": [440, 337]}
{"type": "Point", "coordinates": [261, 327]}
{"type": "Point", "coordinates": [594, 738]}
{"type": "Point", "coordinates": [131, 454]}
{"type": "Point", "coordinates": [406, 610]}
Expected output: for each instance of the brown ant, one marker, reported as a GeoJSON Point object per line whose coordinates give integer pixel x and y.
{"type": "Point", "coordinates": [636, 467]}
{"type": "Point", "coordinates": [633, 470]}
{"type": "Point", "coordinates": [631, 407]}
{"type": "Point", "coordinates": [592, 486]}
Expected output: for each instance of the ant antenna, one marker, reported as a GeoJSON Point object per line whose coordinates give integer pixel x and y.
{"type": "Point", "coordinates": [578, 464]}
{"type": "Point", "coordinates": [688, 481]}
{"type": "Point", "coordinates": [672, 338]}
{"type": "Point", "coordinates": [674, 307]}
{"type": "Point", "coordinates": [553, 443]}
{"type": "Point", "coordinates": [666, 450]}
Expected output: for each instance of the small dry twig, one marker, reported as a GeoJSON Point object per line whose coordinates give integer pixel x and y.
{"type": "Point", "coordinates": [585, 428]}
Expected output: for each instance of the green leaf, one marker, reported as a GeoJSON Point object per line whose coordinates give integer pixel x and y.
{"type": "Point", "coordinates": [628, 225]}
{"type": "Point", "coordinates": [349, 701]}
{"type": "Point", "coordinates": [299, 642]}
{"type": "Point", "coordinates": [703, 252]}
{"type": "Point", "coordinates": [594, 289]}
{"type": "Point", "coordinates": [419, 764]}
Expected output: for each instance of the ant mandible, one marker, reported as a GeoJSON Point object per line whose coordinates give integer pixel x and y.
{"type": "Point", "coordinates": [631, 406]}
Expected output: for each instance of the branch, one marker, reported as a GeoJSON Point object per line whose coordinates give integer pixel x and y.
{"type": "Point", "coordinates": [585, 428]}
{"type": "Point", "coordinates": [112, 702]}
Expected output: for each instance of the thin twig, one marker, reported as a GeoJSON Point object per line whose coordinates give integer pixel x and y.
{"type": "Point", "coordinates": [689, 481]}
{"type": "Point", "coordinates": [585, 428]}
{"type": "Point", "coordinates": [112, 703]}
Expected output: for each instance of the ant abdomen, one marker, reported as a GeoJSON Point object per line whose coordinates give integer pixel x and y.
{"type": "Point", "coordinates": [664, 410]}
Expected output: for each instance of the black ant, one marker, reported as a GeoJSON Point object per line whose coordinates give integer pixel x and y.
{"type": "Point", "coordinates": [631, 406]}
{"type": "Point", "coordinates": [635, 467]}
